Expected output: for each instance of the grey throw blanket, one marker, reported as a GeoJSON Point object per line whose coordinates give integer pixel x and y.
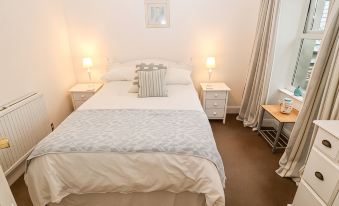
{"type": "Point", "coordinates": [131, 131]}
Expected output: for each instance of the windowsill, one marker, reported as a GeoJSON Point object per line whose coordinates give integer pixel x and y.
{"type": "Point", "coordinates": [289, 93]}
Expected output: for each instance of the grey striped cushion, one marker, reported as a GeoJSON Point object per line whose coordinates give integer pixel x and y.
{"type": "Point", "coordinates": [135, 84]}
{"type": "Point", "coordinates": [152, 82]}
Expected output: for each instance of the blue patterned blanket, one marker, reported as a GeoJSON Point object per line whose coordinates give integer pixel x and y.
{"type": "Point", "coordinates": [134, 131]}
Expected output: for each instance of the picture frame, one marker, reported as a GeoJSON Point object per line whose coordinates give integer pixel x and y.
{"type": "Point", "coordinates": [157, 13]}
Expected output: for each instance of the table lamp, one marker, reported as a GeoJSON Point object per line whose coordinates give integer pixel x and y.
{"type": "Point", "coordinates": [210, 65]}
{"type": "Point", "coordinates": [87, 63]}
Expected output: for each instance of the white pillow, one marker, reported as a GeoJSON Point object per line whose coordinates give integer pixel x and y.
{"type": "Point", "coordinates": [178, 76]}
{"type": "Point", "coordinates": [119, 73]}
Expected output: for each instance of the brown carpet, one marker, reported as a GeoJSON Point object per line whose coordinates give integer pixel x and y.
{"type": "Point", "coordinates": [249, 167]}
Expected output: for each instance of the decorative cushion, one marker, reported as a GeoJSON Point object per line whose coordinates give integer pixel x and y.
{"type": "Point", "coordinates": [152, 80]}
{"type": "Point", "coordinates": [135, 84]}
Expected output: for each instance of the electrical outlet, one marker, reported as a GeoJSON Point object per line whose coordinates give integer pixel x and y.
{"type": "Point", "coordinates": [52, 126]}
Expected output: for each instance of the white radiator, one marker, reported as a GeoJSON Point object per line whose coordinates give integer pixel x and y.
{"type": "Point", "coordinates": [24, 122]}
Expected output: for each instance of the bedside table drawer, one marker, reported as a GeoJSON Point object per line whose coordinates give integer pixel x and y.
{"type": "Point", "coordinates": [322, 176]}
{"type": "Point", "coordinates": [215, 95]}
{"type": "Point", "coordinates": [215, 113]}
{"type": "Point", "coordinates": [77, 103]}
{"type": "Point", "coordinates": [215, 104]}
{"type": "Point", "coordinates": [81, 96]}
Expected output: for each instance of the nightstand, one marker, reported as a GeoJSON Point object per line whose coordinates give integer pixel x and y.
{"type": "Point", "coordinates": [214, 97]}
{"type": "Point", "coordinates": [81, 92]}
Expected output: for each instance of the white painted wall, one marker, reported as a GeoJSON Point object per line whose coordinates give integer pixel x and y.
{"type": "Point", "coordinates": [35, 54]}
{"type": "Point", "coordinates": [199, 28]}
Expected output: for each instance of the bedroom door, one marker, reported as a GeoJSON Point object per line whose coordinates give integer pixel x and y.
{"type": "Point", "coordinates": [6, 196]}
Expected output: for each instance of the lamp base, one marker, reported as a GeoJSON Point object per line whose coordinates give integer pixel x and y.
{"type": "Point", "coordinates": [89, 75]}
{"type": "Point", "coordinates": [210, 71]}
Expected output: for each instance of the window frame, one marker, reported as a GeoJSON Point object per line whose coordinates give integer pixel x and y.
{"type": "Point", "coordinates": [303, 34]}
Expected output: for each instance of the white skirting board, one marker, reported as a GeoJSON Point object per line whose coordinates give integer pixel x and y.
{"type": "Point", "coordinates": [16, 173]}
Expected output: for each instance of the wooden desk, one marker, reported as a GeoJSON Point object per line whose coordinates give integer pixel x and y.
{"type": "Point", "coordinates": [276, 138]}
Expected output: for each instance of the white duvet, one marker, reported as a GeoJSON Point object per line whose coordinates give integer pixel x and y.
{"type": "Point", "coordinates": [114, 95]}
{"type": "Point", "coordinates": [54, 176]}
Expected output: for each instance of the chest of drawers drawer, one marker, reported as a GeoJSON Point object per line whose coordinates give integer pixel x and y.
{"type": "Point", "coordinates": [306, 196]}
{"type": "Point", "coordinates": [328, 144]}
{"type": "Point", "coordinates": [322, 175]}
{"type": "Point", "coordinates": [81, 96]}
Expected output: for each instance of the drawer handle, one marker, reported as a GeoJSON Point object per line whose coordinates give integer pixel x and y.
{"type": "Point", "coordinates": [319, 175]}
{"type": "Point", "coordinates": [215, 104]}
{"type": "Point", "coordinates": [82, 96]}
{"type": "Point", "coordinates": [326, 143]}
{"type": "Point", "coordinates": [214, 113]}
{"type": "Point", "coordinates": [216, 94]}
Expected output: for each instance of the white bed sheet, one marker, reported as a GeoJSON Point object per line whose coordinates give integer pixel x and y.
{"type": "Point", "coordinates": [52, 177]}
{"type": "Point", "coordinates": [114, 95]}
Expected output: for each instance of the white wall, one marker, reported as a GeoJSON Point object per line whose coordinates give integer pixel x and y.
{"type": "Point", "coordinates": [35, 54]}
{"type": "Point", "coordinates": [199, 28]}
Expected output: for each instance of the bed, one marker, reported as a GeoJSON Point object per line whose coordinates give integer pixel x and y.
{"type": "Point", "coordinates": [142, 167]}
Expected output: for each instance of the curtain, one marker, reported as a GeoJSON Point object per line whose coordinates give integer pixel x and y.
{"type": "Point", "coordinates": [321, 100]}
{"type": "Point", "coordinates": [256, 88]}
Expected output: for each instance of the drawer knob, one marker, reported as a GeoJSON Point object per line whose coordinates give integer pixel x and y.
{"type": "Point", "coordinates": [215, 104]}
{"type": "Point", "coordinates": [326, 143]}
{"type": "Point", "coordinates": [82, 96]}
{"type": "Point", "coordinates": [216, 94]}
{"type": "Point", "coordinates": [214, 113]}
{"type": "Point", "coordinates": [319, 175]}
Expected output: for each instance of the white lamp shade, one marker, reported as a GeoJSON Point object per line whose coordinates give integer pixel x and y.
{"type": "Point", "coordinates": [210, 62]}
{"type": "Point", "coordinates": [87, 62]}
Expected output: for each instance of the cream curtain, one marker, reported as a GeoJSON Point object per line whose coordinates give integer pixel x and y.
{"type": "Point", "coordinates": [256, 88]}
{"type": "Point", "coordinates": [321, 100]}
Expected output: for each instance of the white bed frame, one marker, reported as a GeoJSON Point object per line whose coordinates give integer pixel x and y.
{"type": "Point", "coordinates": [169, 63]}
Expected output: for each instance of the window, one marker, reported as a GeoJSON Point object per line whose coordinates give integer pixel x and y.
{"type": "Point", "coordinates": [310, 42]}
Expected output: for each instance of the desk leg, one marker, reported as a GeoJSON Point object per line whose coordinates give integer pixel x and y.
{"type": "Point", "coordinates": [261, 119]}
{"type": "Point", "coordinates": [277, 137]}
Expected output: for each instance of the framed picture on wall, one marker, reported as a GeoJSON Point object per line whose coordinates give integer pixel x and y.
{"type": "Point", "coordinates": [157, 13]}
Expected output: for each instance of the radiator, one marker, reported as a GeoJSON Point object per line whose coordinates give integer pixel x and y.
{"type": "Point", "coordinates": [24, 122]}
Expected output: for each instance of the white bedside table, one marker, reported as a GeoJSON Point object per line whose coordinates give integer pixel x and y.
{"type": "Point", "coordinates": [81, 92]}
{"type": "Point", "coordinates": [214, 97]}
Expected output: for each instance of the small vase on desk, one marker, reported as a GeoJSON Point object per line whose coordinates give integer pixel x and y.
{"type": "Point", "coordinates": [298, 92]}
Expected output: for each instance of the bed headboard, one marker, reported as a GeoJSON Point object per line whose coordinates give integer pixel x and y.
{"type": "Point", "coordinates": [167, 63]}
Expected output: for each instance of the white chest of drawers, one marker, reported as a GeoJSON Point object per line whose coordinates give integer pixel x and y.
{"type": "Point", "coordinates": [214, 97]}
{"type": "Point", "coordinates": [81, 92]}
{"type": "Point", "coordinates": [319, 184]}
